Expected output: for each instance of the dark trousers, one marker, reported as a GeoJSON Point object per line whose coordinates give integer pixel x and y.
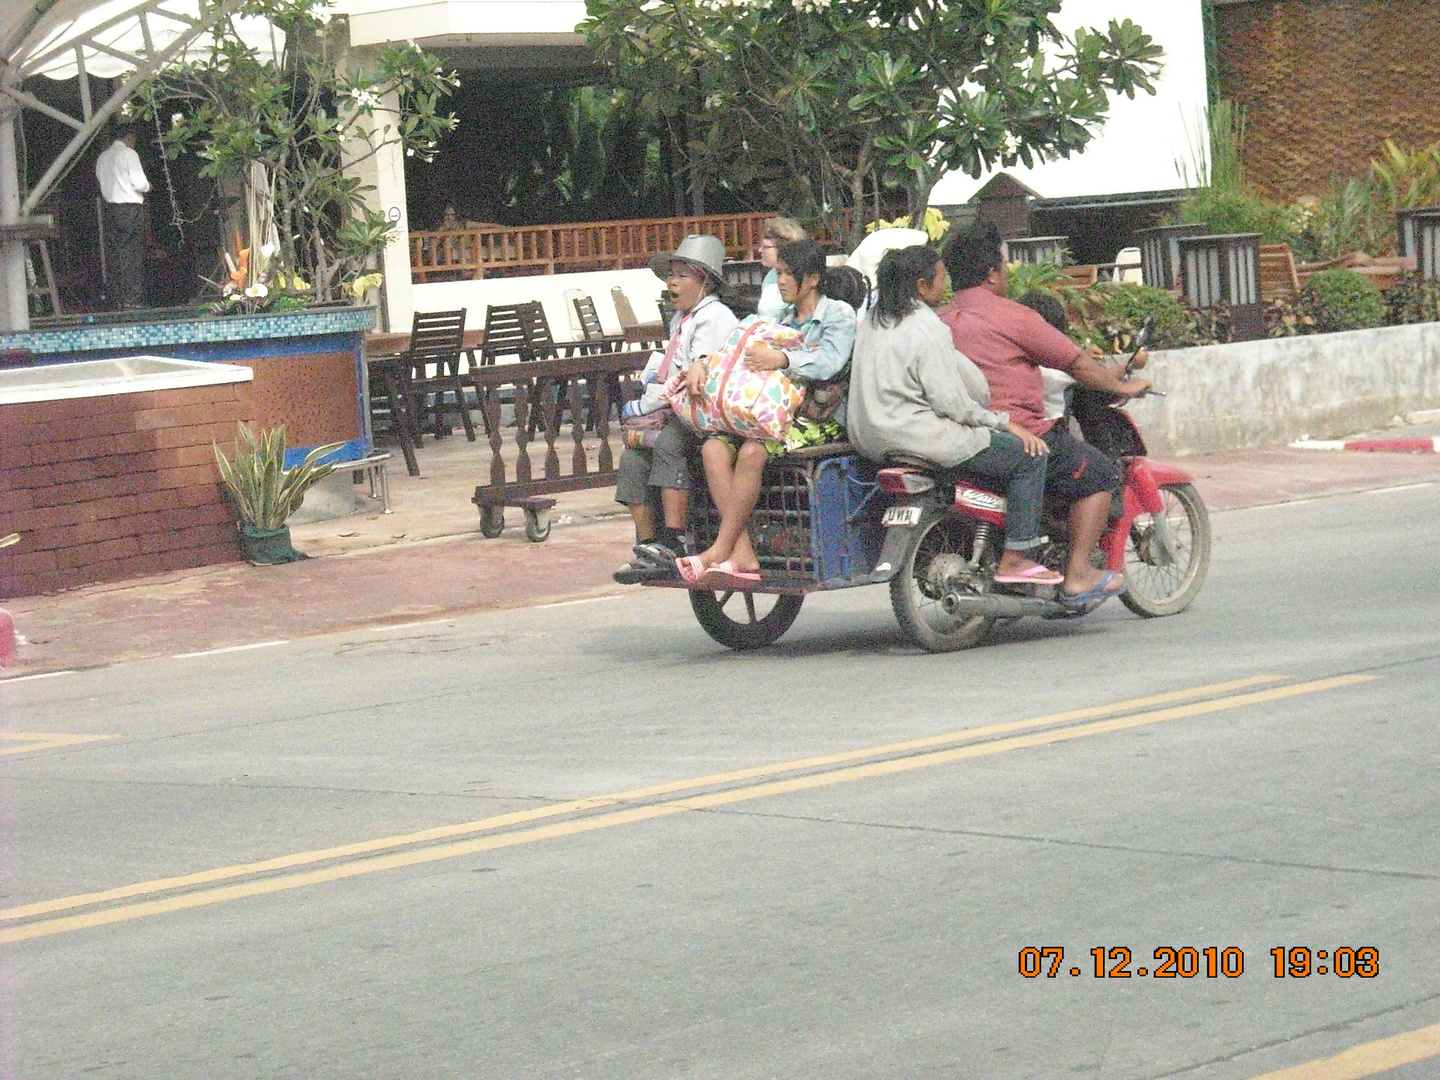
{"type": "Point", "coordinates": [1005, 464]}
{"type": "Point", "coordinates": [125, 253]}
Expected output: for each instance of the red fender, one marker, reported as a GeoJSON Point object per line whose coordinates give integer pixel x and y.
{"type": "Point", "coordinates": [1143, 480]}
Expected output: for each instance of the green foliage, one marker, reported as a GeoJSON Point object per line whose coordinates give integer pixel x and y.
{"type": "Point", "coordinates": [1242, 211]}
{"type": "Point", "coordinates": [1113, 312]}
{"type": "Point", "coordinates": [305, 116]}
{"type": "Point", "coordinates": [1413, 300]}
{"type": "Point", "coordinates": [1220, 199]}
{"type": "Point", "coordinates": [1047, 278]}
{"type": "Point", "coordinates": [264, 492]}
{"type": "Point", "coordinates": [821, 104]}
{"type": "Point", "coordinates": [1341, 299]}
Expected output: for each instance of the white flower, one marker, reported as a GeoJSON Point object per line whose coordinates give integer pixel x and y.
{"type": "Point", "coordinates": [320, 11]}
{"type": "Point", "coordinates": [365, 99]}
{"type": "Point", "coordinates": [1010, 145]}
{"type": "Point", "coordinates": [177, 119]}
{"type": "Point", "coordinates": [257, 291]}
{"type": "Point", "coordinates": [713, 101]}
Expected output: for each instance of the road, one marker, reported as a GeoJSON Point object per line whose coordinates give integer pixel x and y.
{"type": "Point", "coordinates": [583, 841]}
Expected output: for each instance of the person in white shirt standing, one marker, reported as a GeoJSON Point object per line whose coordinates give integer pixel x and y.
{"type": "Point", "coordinates": [123, 186]}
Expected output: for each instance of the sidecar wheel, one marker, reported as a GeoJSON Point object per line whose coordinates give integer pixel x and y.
{"type": "Point", "coordinates": [744, 620]}
{"type": "Point", "coordinates": [938, 561]}
{"type": "Point", "coordinates": [1158, 587]}
{"type": "Point", "coordinates": [492, 521]}
{"type": "Point", "coordinates": [537, 525]}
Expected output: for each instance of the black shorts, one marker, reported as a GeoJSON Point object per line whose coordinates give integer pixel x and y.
{"type": "Point", "coordinates": [1075, 470]}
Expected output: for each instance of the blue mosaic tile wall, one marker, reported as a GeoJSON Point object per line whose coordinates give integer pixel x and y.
{"type": "Point", "coordinates": [83, 339]}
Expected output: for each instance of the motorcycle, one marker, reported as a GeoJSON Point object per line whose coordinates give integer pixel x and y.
{"type": "Point", "coordinates": [826, 520]}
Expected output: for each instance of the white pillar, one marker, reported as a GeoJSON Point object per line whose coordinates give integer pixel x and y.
{"type": "Point", "coordinates": [384, 173]}
{"type": "Point", "coordinates": [14, 301]}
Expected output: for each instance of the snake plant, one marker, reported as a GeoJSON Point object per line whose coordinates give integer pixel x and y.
{"type": "Point", "coordinates": [265, 493]}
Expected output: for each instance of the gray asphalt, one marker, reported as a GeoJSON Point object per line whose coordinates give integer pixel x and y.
{"type": "Point", "coordinates": [868, 928]}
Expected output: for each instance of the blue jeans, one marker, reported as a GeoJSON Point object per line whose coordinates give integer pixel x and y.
{"type": "Point", "coordinates": [1004, 463]}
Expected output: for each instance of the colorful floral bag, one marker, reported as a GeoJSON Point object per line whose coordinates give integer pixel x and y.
{"type": "Point", "coordinates": [736, 400]}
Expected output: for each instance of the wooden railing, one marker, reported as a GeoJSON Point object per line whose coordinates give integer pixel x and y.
{"type": "Point", "coordinates": [552, 249]}
{"type": "Point", "coordinates": [586, 388]}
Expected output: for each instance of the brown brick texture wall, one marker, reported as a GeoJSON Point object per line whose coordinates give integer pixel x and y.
{"type": "Point", "coordinates": [1325, 82]}
{"type": "Point", "coordinates": [113, 487]}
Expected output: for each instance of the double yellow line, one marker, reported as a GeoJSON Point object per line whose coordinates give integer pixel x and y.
{"type": "Point", "coordinates": [201, 889]}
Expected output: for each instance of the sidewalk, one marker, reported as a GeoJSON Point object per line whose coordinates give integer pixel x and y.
{"type": "Point", "coordinates": [427, 560]}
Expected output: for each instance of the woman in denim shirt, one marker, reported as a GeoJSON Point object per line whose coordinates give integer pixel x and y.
{"type": "Point", "coordinates": [733, 467]}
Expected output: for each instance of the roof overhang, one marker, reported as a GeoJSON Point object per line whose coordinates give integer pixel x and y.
{"type": "Point", "coordinates": [442, 25]}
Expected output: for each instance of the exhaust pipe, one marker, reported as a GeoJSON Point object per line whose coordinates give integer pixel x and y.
{"type": "Point", "coordinates": [996, 606]}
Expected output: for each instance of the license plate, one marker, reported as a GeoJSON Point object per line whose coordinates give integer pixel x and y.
{"type": "Point", "coordinates": [901, 515]}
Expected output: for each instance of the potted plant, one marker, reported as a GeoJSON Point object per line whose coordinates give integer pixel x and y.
{"type": "Point", "coordinates": [265, 493]}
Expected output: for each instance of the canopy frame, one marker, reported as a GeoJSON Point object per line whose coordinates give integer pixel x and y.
{"type": "Point", "coordinates": [15, 205]}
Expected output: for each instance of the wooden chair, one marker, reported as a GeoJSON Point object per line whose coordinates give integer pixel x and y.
{"type": "Point", "coordinates": [505, 333]}
{"type": "Point", "coordinates": [1278, 280]}
{"type": "Point", "coordinates": [590, 328]}
{"type": "Point", "coordinates": [390, 398]}
{"type": "Point", "coordinates": [433, 365]}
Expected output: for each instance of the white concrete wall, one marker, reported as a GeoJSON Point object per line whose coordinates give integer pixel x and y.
{"type": "Point", "coordinates": [1268, 393]}
{"type": "Point", "coordinates": [641, 286]}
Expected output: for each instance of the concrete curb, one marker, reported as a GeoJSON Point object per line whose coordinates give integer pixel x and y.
{"type": "Point", "coordinates": [1381, 446]}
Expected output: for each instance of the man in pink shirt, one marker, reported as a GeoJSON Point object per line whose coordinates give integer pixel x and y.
{"type": "Point", "coordinates": [1009, 343]}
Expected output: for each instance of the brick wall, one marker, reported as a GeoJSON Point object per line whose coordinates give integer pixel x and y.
{"type": "Point", "coordinates": [1325, 82]}
{"type": "Point", "coordinates": [113, 487]}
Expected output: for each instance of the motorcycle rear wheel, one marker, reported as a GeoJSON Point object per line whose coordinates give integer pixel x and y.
{"type": "Point", "coordinates": [745, 620]}
{"type": "Point", "coordinates": [932, 567]}
{"type": "Point", "coordinates": [1155, 588]}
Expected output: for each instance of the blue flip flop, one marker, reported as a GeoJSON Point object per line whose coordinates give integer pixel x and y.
{"type": "Point", "coordinates": [1098, 591]}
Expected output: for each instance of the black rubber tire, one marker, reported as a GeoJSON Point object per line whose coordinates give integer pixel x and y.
{"type": "Point", "coordinates": [754, 630]}
{"type": "Point", "coordinates": [492, 521]}
{"type": "Point", "coordinates": [915, 595]}
{"type": "Point", "coordinates": [1165, 590]}
{"type": "Point", "coordinates": [537, 525]}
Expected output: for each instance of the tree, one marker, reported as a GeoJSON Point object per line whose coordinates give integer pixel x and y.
{"type": "Point", "coordinates": [826, 103]}
{"type": "Point", "coordinates": [303, 114]}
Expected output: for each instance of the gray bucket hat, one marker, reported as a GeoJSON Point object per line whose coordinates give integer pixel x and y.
{"type": "Point", "coordinates": [705, 253]}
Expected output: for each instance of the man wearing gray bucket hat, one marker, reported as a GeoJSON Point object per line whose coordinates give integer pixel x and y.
{"type": "Point", "coordinates": [655, 468]}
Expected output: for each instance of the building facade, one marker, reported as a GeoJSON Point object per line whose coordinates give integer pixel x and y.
{"type": "Point", "coordinates": [1326, 82]}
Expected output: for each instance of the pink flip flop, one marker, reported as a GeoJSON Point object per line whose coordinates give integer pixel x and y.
{"type": "Point", "coordinates": [1035, 575]}
{"type": "Point", "coordinates": [724, 574]}
{"type": "Point", "coordinates": [691, 569]}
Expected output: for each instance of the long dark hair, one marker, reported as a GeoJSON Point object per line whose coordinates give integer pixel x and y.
{"type": "Point", "coordinates": [895, 279]}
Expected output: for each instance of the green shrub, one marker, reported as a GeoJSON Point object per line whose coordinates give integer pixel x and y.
{"type": "Point", "coordinates": [1413, 300]}
{"type": "Point", "coordinates": [1341, 299]}
{"type": "Point", "coordinates": [1241, 211]}
{"type": "Point", "coordinates": [1114, 312]}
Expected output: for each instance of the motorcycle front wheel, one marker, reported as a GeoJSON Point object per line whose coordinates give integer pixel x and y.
{"type": "Point", "coordinates": [744, 620]}
{"type": "Point", "coordinates": [1158, 585]}
{"type": "Point", "coordinates": [938, 562]}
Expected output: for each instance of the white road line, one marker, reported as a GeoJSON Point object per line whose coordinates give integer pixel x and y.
{"type": "Point", "coordinates": [407, 625]}
{"type": "Point", "coordinates": [229, 649]}
{"type": "Point", "coordinates": [570, 603]}
{"type": "Point", "coordinates": [40, 675]}
{"type": "Point", "coordinates": [1399, 487]}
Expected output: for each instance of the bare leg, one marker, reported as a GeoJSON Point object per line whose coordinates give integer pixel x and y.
{"type": "Point", "coordinates": [741, 488]}
{"type": "Point", "coordinates": [1088, 518]}
{"type": "Point", "coordinates": [643, 514]}
{"type": "Point", "coordinates": [675, 506]}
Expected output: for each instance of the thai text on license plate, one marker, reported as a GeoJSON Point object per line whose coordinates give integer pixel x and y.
{"type": "Point", "coordinates": [901, 515]}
